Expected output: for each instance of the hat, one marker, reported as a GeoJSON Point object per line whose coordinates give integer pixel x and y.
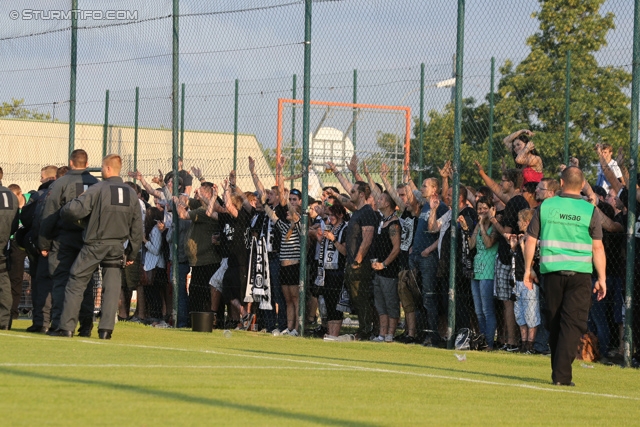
{"type": "Point", "coordinates": [296, 192]}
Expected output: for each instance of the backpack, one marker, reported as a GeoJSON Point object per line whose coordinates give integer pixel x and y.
{"type": "Point", "coordinates": [468, 339]}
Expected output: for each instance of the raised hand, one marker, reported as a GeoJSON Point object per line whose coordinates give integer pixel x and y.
{"type": "Point", "coordinates": [331, 166]}
{"type": "Point", "coordinates": [281, 161]}
{"type": "Point", "coordinates": [232, 178]}
{"type": "Point", "coordinates": [197, 172]}
{"type": "Point", "coordinates": [463, 223]}
{"type": "Point", "coordinates": [384, 170]}
{"type": "Point", "coordinates": [479, 166]}
{"type": "Point", "coordinates": [574, 162]}
{"type": "Point", "coordinates": [434, 202]}
{"type": "Point", "coordinates": [353, 163]}
{"type": "Point", "coordinates": [365, 168]}
{"type": "Point", "coordinates": [135, 175]}
{"type": "Point", "coordinates": [620, 157]}
{"type": "Point", "coordinates": [252, 165]}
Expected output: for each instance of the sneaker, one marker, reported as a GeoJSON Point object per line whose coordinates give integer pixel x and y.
{"type": "Point", "coordinates": [511, 348]}
{"type": "Point", "coordinates": [388, 338]}
{"type": "Point", "coordinates": [379, 338]}
{"type": "Point", "coordinates": [285, 332]}
{"type": "Point", "coordinates": [330, 338]}
{"type": "Point", "coordinates": [347, 337]}
{"type": "Point", "coordinates": [409, 340]}
{"type": "Point", "coordinates": [294, 333]}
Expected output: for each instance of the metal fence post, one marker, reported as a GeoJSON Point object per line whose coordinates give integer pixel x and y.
{"type": "Point", "coordinates": [72, 84]}
{"type": "Point", "coordinates": [135, 132]}
{"type": "Point", "coordinates": [355, 111]}
{"type": "Point", "coordinates": [175, 146]}
{"type": "Point", "coordinates": [105, 126]}
{"type": "Point", "coordinates": [491, 107]}
{"type": "Point", "coordinates": [235, 129]}
{"type": "Point", "coordinates": [293, 127]}
{"type": "Point", "coordinates": [306, 111]}
{"type": "Point", "coordinates": [567, 100]}
{"type": "Point", "coordinates": [182, 124]}
{"type": "Point", "coordinates": [421, 125]}
{"type": "Point", "coordinates": [456, 174]}
{"type": "Point", "coordinates": [633, 170]}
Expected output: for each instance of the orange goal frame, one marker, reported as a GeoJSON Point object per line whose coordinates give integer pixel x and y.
{"type": "Point", "coordinates": [407, 113]}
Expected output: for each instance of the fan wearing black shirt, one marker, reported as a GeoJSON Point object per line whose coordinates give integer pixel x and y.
{"type": "Point", "coordinates": [236, 222]}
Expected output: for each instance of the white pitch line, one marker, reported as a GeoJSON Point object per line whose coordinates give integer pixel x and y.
{"type": "Point", "coordinates": [555, 389]}
{"type": "Point", "coordinates": [119, 365]}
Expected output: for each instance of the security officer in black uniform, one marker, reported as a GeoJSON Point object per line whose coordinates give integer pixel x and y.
{"type": "Point", "coordinates": [570, 233]}
{"type": "Point", "coordinates": [8, 225]}
{"type": "Point", "coordinates": [111, 213]}
{"type": "Point", "coordinates": [61, 241]}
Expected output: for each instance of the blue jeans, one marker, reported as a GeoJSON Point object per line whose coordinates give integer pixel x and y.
{"type": "Point", "coordinates": [428, 268]}
{"type": "Point", "coordinates": [598, 321]}
{"type": "Point", "coordinates": [183, 297]}
{"type": "Point", "coordinates": [482, 291]}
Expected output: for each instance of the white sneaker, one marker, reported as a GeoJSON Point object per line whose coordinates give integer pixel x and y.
{"type": "Point", "coordinates": [388, 338]}
{"type": "Point", "coordinates": [275, 332]}
{"type": "Point", "coordinates": [294, 333]}
{"type": "Point", "coordinates": [347, 337]}
{"type": "Point", "coordinates": [285, 332]}
{"type": "Point", "coordinates": [331, 338]}
{"type": "Point", "coordinates": [379, 338]}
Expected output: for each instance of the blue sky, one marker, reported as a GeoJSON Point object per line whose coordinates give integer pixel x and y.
{"type": "Point", "coordinates": [385, 40]}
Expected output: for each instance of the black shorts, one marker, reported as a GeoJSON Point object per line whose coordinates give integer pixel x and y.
{"type": "Point", "coordinates": [234, 283]}
{"type": "Point", "coordinates": [333, 281]}
{"type": "Point", "coordinates": [289, 275]}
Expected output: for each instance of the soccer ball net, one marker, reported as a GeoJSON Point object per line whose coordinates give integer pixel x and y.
{"type": "Point", "coordinates": [376, 134]}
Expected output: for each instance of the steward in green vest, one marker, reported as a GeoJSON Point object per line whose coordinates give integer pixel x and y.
{"type": "Point", "coordinates": [565, 243]}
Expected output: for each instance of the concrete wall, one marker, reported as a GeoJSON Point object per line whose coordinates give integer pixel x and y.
{"type": "Point", "coordinates": [26, 146]}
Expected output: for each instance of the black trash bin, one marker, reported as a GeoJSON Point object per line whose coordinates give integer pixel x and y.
{"type": "Point", "coordinates": [202, 321]}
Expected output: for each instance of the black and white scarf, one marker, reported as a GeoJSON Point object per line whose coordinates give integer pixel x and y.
{"type": "Point", "coordinates": [328, 259]}
{"type": "Point", "coordinates": [259, 279]}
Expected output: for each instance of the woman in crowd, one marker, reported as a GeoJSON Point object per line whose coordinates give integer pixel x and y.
{"type": "Point", "coordinates": [333, 257]}
{"type": "Point", "coordinates": [154, 263]}
{"type": "Point", "coordinates": [525, 155]}
{"type": "Point", "coordinates": [289, 262]}
{"type": "Point", "coordinates": [484, 239]}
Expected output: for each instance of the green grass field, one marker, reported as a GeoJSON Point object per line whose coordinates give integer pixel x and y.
{"type": "Point", "coordinates": [150, 377]}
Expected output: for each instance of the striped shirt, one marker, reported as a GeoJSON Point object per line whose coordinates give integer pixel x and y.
{"type": "Point", "coordinates": [289, 248]}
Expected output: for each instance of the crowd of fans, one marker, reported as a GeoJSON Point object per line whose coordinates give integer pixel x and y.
{"type": "Point", "coordinates": [375, 250]}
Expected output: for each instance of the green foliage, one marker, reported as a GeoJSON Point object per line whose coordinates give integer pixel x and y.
{"type": "Point", "coordinates": [437, 140]}
{"type": "Point", "coordinates": [532, 94]}
{"type": "Point", "coordinates": [15, 110]}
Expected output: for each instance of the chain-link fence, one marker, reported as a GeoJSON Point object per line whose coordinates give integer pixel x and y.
{"type": "Point", "coordinates": [561, 69]}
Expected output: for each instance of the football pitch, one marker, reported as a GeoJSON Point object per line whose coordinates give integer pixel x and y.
{"type": "Point", "coordinates": [146, 376]}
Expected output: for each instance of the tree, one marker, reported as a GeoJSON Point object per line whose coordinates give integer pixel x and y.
{"type": "Point", "coordinates": [531, 94]}
{"type": "Point", "coordinates": [437, 140]}
{"type": "Point", "coordinates": [15, 110]}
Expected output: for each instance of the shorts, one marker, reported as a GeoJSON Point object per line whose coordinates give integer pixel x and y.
{"type": "Point", "coordinates": [408, 291]}
{"type": "Point", "coordinates": [218, 277]}
{"type": "Point", "coordinates": [289, 275]}
{"type": "Point", "coordinates": [234, 283]}
{"type": "Point", "coordinates": [527, 305]}
{"type": "Point", "coordinates": [502, 281]}
{"type": "Point", "coordinates": [385, 296]}
{"type": "Point", "coordinates": [333, 280]}
{"type": "Point", "coordinates": [131, 276]}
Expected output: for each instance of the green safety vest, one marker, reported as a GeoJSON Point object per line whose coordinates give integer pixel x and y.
{"type": "Point", "coordinates": [565, 243]}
